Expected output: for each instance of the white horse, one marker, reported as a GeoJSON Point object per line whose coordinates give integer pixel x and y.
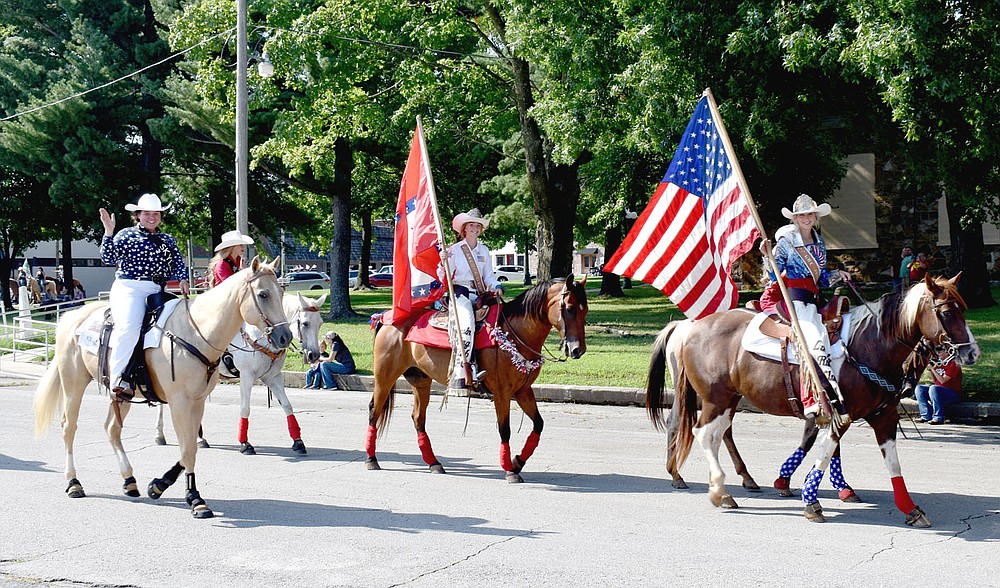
{"type": "Point", "coordinates": [256, 358]}
{"type": "Point", "coordinates": [206, 325]}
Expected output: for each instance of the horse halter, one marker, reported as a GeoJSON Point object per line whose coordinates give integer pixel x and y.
{"type": "Point", "coordinates": [943, 340]}
{"type": "Point", "coordinates": [268, 325]}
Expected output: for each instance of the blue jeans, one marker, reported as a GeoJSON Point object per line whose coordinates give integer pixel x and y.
{"type": "Point", "coordinates": [313, 376]}
{"type": "Point", "coordinates": [932, 399]}
{"type": "Point", "coordinates": [328, 368]}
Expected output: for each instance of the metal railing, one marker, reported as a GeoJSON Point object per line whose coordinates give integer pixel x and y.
{"type": "Point", "coordinates": [27, 337]}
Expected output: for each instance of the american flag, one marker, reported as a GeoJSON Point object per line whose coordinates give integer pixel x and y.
{"type": "Point", "coordinates": [417, 242]}
{"type": "Point", "coordinates": [696, 225]}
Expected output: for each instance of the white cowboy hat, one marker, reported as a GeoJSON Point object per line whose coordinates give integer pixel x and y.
{"type": "Point", "coordinates": [150, 202]}
{"type": "Point", "coordinates": [233, 238]}
{"type": "Point", "coordinates": [473, 216]}
{"type": "Point", "coordinates": [806, 205]}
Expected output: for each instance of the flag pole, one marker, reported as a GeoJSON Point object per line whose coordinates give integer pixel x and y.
{"type": "Point", "coordinates": [440, 228]}
{"type": "Point", "coordinates": [803, 354]}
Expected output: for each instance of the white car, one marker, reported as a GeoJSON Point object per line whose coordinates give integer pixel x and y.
{"type": "Point", "coordinates": [352, 279]}
{"type": "Point", "coordinates": [310, 280]}
{"type": "Point", "coordinates": [510, 273]}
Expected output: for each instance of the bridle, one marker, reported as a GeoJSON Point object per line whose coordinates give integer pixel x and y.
{"type": "Point", "coordinates": [559, 326]}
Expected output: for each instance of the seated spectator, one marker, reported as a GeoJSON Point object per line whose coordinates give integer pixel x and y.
{"type": "Point", "coordinates": [335, 358]}
{"type": "Point", "coordinates": [946, 389]}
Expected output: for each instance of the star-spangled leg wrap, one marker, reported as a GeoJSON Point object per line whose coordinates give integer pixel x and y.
{"type": "Point", "coordinates": [837, 474]}
{"type": "Point", "coordinates": [792, 463]}
{"type": "Point", "coordinates": [810, 488]}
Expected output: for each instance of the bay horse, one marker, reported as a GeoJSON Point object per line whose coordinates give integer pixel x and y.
{"type": "Point", "coordinates": [711, 364]}
{"type": "Point", "coordinates": [257, 358]}
{"type": "Point", "coordinates": [511, 368]}
{"type": "Point", "coordinates": [205, 324]}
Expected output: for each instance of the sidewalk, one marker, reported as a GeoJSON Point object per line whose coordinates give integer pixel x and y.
{"type": "Point", "coordinates": [19, 373]}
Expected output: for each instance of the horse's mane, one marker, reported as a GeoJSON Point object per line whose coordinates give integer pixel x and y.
{"type": "Point", "coordinates": [533, 303]}
{"type": "Point", "coordinates": [895, 313]}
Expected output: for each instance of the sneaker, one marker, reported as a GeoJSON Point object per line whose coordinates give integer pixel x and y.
{"type": "Point", "coordinates": [936, 421]}
{"type": "Point", "coordinates": [920, 420]}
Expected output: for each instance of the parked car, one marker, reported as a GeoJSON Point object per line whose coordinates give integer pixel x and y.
{"type": "Point", "coordinates": [380, 280]}
{"type": "Point", "coordinates": [199, 282]}
{"type": "Point", "coordinates": [296, 281]}
{"type": "Point", "coordinates": [352, 278]}
{"type": "Point", "coordinates": [512, 273]}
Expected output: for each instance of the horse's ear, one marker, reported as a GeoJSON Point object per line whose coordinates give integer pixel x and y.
{"type": "Point", "coordinates": [583, 282]}
{"type": "Point", "coordinates": [569, 280]}
{"type": "Point", "coordinates": [954, 280]}
{"type": "Point", "coordinates": [321, 300]}
{"type": "Point", "coordinates": [274, 264]}
{"type": "Point", "coordinates": [255, 264]}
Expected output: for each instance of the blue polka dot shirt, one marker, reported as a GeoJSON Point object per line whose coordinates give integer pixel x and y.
{"type": "Point", "coordinates": [141, 255]}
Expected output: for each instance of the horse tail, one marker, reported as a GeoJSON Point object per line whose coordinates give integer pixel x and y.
{"type": "Point", "coordinates": [682, 417]}
{"type": "Point", "coordinates": [48, 398]}
{"type": "Point", "coordinates": [382, 420]}
{"type": "Point", "coordinates": [659, 363]}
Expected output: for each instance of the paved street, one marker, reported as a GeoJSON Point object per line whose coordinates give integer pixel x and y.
{"type": "Point", "coordinates": [596, 508]}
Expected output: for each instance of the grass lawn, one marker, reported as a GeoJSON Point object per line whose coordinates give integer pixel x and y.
{"type": "Point", "coordinates": [620, 333]}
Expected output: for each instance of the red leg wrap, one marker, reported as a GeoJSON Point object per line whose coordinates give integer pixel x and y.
{"type": "Point", "coordinates": [293, 428]}
{"type": "Point", "coordinates": [424, 443]}
{"type": "Point", "coordinates": [529, 446]}
{"type": "Point", "coordinates": [781, 483]}
{"type": "Point", "coordinates": [241, 433]}
{"type": "Point", "coordinates": [505, 462]}
{"type": "Point", "coordinates": [903, 501]}
{"type": "Point", "coordinates": [370, 441]}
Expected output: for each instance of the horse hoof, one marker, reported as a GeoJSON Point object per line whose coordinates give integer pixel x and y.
{"type": "Point", "coordinates": [203, 444]}
{"type": "Point", "coordinates": [725, 501]}
{"type": "Point", "coordinates": [160, 441]}
{"type": "Point", "coordinates": [75, 489]}
{"type": "Point", "coordinates": [814, 513]}
{"type": "Point", "coordinates": [299, 447]}
{"type": "Point", "coordinates": [436, 468]}
{"type": "Point", "coordinates": [917, 518]}
{"type": "Point", "coordinates": [847, 495]}
{"type": "Point", "coordinates": [679, 483]}
{"type": "Point", "coordinates": [130, 488]}
{"type": "Point", "coordinates": [514, 478]}
{"type": "Point", "coordinates": [247, 449]}
{"type": "Point", "coordinates": [781, 485]}
{"type": "Point", "coordinates": [751, 486]}
{"type": "Point", "coordinates": [154, 491]}
{"type": "Point", "coordinates": [372, 463]}
{"type": "Point", "coordinates": [202, 512]}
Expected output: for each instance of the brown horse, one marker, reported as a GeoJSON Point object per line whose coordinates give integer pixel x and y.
{"type": "Point", "coordinates": [525, 322]}
{"type": "Point", "coordinates": [711, 363]}
{"type": "Point", "coordinates": [206, 325]}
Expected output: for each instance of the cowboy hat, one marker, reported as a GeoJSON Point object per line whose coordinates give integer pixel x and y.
{"type": "Point", "coordinates": [806, 205]}
{"type": "Point", "coordinates": [149, 202]}
{"type": "Point", "coordinates": [233, 238]}
{"type": "Point", "coordinates": [473, 216]}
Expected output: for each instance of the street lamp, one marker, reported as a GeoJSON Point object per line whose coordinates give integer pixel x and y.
{"type": "Point", "coordinates": [242, 152]}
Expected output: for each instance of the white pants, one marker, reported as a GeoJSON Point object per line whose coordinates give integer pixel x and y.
{"type": "Point", "coordinates": [462, 311]}
{"type": "Point", "coordinates": [128, 306]}
{"type": "Point", "coordinates": [818, 341]}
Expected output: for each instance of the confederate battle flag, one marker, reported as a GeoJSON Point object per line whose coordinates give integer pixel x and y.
{"type": "Point", "coordinates": [417, 247]}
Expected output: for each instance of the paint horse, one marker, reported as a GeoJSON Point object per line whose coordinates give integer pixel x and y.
{"type": "Point", "coordinates": [256, 357]}
{"type": "Point", "coordinates": [712, 365]}
{"type": "Point", "coordinates": [206, 325]}
{"type": "Point", "coordinates": [511, 367]}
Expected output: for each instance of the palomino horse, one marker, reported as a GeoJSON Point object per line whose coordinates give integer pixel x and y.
{"type": "Point", "coordinates": [256, 357]}
{"type": "Point", "coordinates": [711, 364]}
{"type": "Point", "coordinates": [511, 368]}
{"type": "Point", "coordinates": [206, 325]}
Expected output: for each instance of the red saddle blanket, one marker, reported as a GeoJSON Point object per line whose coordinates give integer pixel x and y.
{"type": "Point", "coordinates": [422, 332]}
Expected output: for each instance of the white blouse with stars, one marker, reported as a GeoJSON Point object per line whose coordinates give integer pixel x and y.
{"type": "Point", "coordinates": [141, 255]}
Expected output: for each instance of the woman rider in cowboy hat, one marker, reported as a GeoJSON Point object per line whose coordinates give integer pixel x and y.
{"type": "Point", "coordinates": [228, 258]}
{"type": "Point", "coordinates": [801, 258]}
{"type": "Point", "coordinates": [468, 225]}
{"type": "Point", "coordinates": [146, 258]}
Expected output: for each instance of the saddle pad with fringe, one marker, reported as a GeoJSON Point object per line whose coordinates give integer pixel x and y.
{"type": "Point", "coordinates": [423, 333]}
{"type": "Point", "coordinates": [88, 334]}
{"type": "Point", "coordinates": [757, 342]}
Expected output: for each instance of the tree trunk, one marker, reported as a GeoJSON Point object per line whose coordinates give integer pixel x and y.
{"type": "Point", "coordinates": [611, 285]}
{"type": "Point", "coordinates": [365, 257]}
{"type": "Point", "coordinates": [66, 230]}
{"type": "Point", "coordinates": [340, 248]}
{"type": "Point", "coordinates": [968, 256]}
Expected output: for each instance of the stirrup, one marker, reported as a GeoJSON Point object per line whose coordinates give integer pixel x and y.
{"type": "Point", "coordinates": [122, 394]}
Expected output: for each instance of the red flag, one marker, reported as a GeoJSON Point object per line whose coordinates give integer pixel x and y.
{"type": "Point", "coordinates": [696, 225]}
{"type": "Point", "coordinates": [417, 246]}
